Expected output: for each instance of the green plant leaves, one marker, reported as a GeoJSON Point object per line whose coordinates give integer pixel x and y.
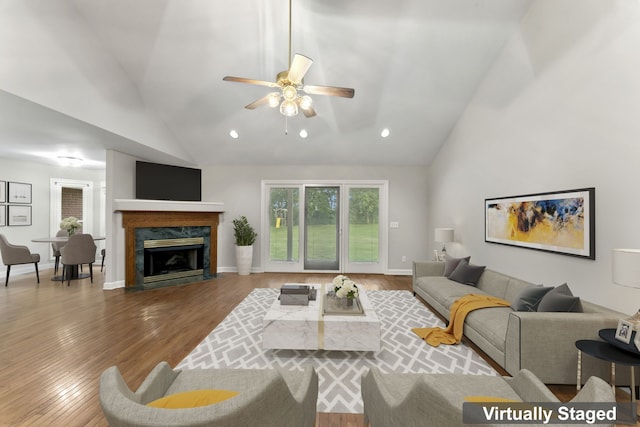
{"type": "Point", "coordinates": [243, 232]}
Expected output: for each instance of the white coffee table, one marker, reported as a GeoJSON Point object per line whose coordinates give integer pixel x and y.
{"type": "Point", "coordinates": [299, 327]}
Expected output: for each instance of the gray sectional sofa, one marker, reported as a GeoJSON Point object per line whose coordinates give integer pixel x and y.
{"type": "Point", "coordinates": [542, 342]}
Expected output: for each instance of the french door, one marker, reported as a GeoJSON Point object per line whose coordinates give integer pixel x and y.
{"type": "Point", "coordinates": [322, 228]}
{"type": "Point", "coordinates": [325, 226]}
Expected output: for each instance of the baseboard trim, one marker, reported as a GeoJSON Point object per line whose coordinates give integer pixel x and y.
{"type": "Point", "coordinates": [235, 270]}
{"type": "Point", "coordinates": [399, 272]}
{"type": "Point", "coordinates": [107, 286]}
{"type": "Point", "coordinates": [391, 272]}
{"type": "Point", "coordinates": [22, 269]}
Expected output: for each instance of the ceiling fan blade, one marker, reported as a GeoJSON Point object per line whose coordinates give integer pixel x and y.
{"type": "Point", "coordinates": [309, 112]}
{"type": "Point", "coordinates": [344, 92]}
{"type": "Point", "coordinates": [299, 67]}
{"type": "Point", "coordinates": [259, 103]}
{"type": "Point", "coordinates": [249, 81]}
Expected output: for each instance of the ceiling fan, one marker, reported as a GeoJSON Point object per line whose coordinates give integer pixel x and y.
{"type": "Point", "coordinates": [289, 84]}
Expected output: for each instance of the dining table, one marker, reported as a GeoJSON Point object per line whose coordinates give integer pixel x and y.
{"type": "Point", "coordinates": [74, 271]}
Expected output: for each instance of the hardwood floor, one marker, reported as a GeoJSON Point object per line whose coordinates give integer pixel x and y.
{"type": "Point", "coordinates": [56, 340]}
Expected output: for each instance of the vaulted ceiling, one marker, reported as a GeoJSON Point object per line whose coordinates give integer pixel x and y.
{"type": "Point", "coordinates": [144, 77]}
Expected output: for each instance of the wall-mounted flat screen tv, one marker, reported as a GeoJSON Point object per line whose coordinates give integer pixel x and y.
{"type": "Point", "coordinates": [166, 182]}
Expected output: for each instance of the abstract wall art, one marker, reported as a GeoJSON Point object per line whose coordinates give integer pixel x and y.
{"type": "Point", "coordinates": [561, 221]}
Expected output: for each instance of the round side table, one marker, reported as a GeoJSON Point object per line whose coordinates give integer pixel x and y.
{"type": "Point", "coordinates": [609, 353]}
{"type": "Point", "coordinates": [609, 335]}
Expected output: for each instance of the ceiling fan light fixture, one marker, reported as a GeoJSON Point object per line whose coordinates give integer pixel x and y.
{"type": "Point", "coordinates": [305, 102]}
{"type": "Point", "coordinates": [274, 99]}
{"type": "Point", "coordinates": [289, 93]}
{"type": "Point", "coordinates": [288, 108]}
{"type": "Point", "coordinates": [290, 83]}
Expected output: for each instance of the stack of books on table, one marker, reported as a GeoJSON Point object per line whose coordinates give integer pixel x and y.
{"type": "Point", "coordinates": [296, 294]}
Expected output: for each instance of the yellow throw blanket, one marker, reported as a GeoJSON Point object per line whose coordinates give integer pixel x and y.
{"type": "Point", "coordinates": [459, 310]}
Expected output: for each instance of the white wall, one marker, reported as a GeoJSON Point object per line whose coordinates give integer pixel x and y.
{"type": "Point", "coordinates": [120, 178]}
{"type": "Point", "coordinates": [39, 176]}
{"type": "Point", "coordinates": [558, 111]}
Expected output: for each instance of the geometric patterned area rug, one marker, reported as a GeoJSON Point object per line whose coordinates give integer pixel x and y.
{"type": "Point", "coordinates": [237, 343]}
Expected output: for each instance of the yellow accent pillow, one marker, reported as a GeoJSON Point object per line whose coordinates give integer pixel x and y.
{"type": "Point", "coordinates": [192, 399]}
{"type": "Point", "coordinates": [482, 399]}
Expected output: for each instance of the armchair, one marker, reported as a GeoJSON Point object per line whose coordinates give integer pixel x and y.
{"type": "Point", "coordinates": [15, 255]}
{"type": "Point", "coordinates": [268, 398]}
{"type": "Point", "coordinates": [437, 399]}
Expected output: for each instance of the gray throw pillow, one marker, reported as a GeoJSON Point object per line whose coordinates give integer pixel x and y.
{"type": "Point", "coordinates": [467, 274]}
{"type": "Point", "coordinates": [529, 298]}
{"type": "Point", "coordinates": [560, 299]}
{"type": "Point", "coordinates": [450, 264]}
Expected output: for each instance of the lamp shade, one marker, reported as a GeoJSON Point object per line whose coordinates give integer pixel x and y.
{"type": "Point", "coordinates": [626, 267]}
{"type": "Point", "coordinates": [443, 235]}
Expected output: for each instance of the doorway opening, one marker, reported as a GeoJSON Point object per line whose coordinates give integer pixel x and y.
{"type": "Point", "coordinates": [71, 204]}
{"type": "Point", "coordinates": [71, 198]}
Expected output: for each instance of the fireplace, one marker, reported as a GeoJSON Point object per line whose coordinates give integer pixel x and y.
{"type": "Point", "coordinates": [166, 259]}
{"type": "Point", "coordinates": [166, 256]}
{"type": "Point", "coordinates": [151, 234]}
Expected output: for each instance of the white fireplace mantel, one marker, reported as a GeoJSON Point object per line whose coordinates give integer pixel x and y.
{"type": "Point", "coordinates": [122, 205]}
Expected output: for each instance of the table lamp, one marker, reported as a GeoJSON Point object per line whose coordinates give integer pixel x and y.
{"type": "Point", "coordinates": [626, 272]}
{"type": "Point", "coordinates": [443, 235]}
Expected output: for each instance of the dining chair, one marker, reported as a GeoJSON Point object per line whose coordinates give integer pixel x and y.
{"type": "Point", "coordinates": [80, 249]}
{"type": "Point", "coordinates": [15, 255]}
{"type": "Point", "coordinates": [103, 252]}
{"type": "Point", "coordinates": [56, 248]}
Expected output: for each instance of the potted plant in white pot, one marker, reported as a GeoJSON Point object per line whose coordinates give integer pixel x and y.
{"type": "Point", "coordinates": [245, 237]}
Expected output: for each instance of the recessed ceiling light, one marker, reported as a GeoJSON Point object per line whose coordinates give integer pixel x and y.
{"type": "Point", "coordinates": [234, 134]}
{"type": "Point", "coordinates": [385, 133]}
{"type": "Point", "coordinates": [303, 133]}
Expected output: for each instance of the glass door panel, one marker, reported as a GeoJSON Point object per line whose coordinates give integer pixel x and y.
{"type": "Point", "coordinates": [363, 240]}
{"type": "Point", "coordinates": [322, 228]}
{"type": "Point", "coordinates": [284, 213]}
{"type": "Point", "coordinates": [364, 227]}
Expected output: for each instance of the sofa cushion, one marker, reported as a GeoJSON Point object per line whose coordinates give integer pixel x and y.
{"type": "Point", "coordinates": [192, 399]}
{"type": "Point", "coordinates": [450, 264]}
{"type": "Point", "coordinates": [494, 283]}
{"type": "Point", "coordinates": [466, 273]}
{"type": "Point", "coordinates": [529, 298]}
{"type": "Point", "coordinates": [561, 299]}
{"type": "Point", "coordinates": [515, 287]}
{"type": "Point", "coordinates": [491, 323]}
{"type": "Point", "coordinates": [443, 290]}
